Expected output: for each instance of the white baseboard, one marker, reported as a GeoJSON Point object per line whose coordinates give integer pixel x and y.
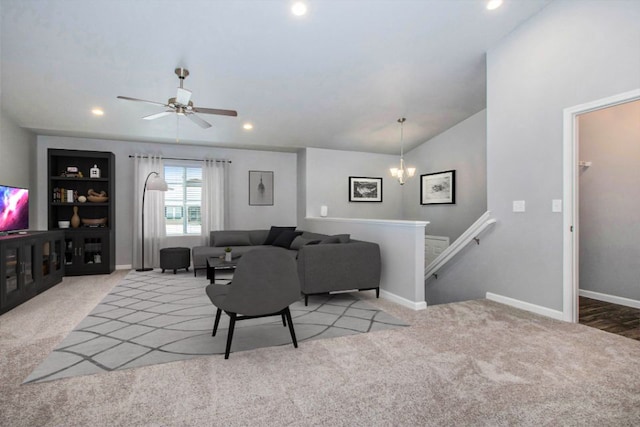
{"type": "Point", "coordinates": [124, 267]}
{"type": "Point", "coordinates": [422, 305]}
{"type": "Point", "coordinates": [538, 309]}
{"type": "Point", "coordinates": [627, 302]}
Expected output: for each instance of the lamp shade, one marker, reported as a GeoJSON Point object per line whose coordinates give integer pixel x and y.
{"type": "Point", "coordinates": [157, 183]}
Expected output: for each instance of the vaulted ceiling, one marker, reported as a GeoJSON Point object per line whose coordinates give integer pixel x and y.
{"type": "Point", "coordinates": [338, 77]}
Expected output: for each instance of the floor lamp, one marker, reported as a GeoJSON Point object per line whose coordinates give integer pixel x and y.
{"type": "Point", "coordinates": [157, 184]}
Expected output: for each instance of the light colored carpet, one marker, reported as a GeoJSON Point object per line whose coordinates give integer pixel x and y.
{"type": "Point", "coordinates": [151, 317]}
{"type": "Point", "coordinates": [470, 363]}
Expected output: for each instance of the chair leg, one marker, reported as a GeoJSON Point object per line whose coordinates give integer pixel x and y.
{"type": "Point", "coordinates": [232, 324]}
{"type": "Point", "coordinates": [293, 333]}
{"type": "Point", "coordinates": [215, 324]}
{"type": "Point", "coordinates": [377, 292]}
{"type": "Point", "coordinates": [306, 300]}
{"type": "Point", "coordinates": [284, 323]}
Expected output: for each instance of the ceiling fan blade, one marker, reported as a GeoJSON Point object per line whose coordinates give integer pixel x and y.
{"type": "Point", "coordinates": [158, 115]}
{"type": "Point", "coordinates": [183, 96]}
{"type": "Point", "coordinates": [197, 120]}
{"type": "Point", "coordinates": [215, 111]}
{"type": "Point", "coordinates": [126, 98]}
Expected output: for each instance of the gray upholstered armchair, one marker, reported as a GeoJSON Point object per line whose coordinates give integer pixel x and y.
{"type": "Point", "coordinates": [264, 284]}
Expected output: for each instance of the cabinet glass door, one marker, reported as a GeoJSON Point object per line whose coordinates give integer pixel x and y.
{"type": "Point", "coordinates": [28, 264]}
{"type": "Point", "coordinates": [51, 257]}
{"type": "Point", "coordinates": [54, 258]}
{"type": "Point", "coordinates": [69, 251]}
{"type": "Point", "coordinates": [46, 254]}
{"type": "Point", "coordinates": [11, 271]}
{"type": "Point", "coordinates": [92, 253]}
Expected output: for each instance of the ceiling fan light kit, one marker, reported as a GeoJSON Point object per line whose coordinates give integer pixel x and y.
{"type": "Point", "coordinates": [182, 105]}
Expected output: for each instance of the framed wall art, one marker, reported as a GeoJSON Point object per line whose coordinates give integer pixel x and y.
{"type": "Point", "coordinates": [362, 189]}
{"type": "Point", "coordinates": [260, 188]}
{"type": "Point", "coordinates": [438, 188]}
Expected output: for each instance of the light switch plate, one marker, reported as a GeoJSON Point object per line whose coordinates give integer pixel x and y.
{"type": "Point", "coordinates": [518, 206]}
{"type": "Point", "coordinates": [556, 205]}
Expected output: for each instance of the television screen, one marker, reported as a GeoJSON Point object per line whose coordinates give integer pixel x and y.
{"type": "Point", "coordinates": [14, 208]}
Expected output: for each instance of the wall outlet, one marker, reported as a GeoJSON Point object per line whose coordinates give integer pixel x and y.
{"type": "Point", "coordinates": [518, 206]}
{"type": "Point", "coordinates": [556, 205]}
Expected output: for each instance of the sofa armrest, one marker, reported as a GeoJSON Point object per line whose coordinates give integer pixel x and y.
{"type": "Point", "coordinates": [339, 267]}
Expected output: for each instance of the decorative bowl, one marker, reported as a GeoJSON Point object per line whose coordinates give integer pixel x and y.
{"type": "Point", "coordinates": [97, 199]}
{"type": "Point", "coordinates": [97, 221]}
{"type": "Point", "coordinates": [64, 224]}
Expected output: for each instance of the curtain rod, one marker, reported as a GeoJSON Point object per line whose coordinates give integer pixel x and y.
{"type": "Point", "coordinates": [177, 158]}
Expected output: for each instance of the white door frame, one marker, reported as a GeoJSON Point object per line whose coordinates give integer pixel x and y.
{"type": "Point", "coordinates": [570, 219]}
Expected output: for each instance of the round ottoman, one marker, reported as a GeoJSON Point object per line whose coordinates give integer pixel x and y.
{"type": "Point", "coordinates": [175, 258]}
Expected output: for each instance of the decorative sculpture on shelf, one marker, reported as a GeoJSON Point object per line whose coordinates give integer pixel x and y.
{"type": "Point", "coordinates": [75, 219]}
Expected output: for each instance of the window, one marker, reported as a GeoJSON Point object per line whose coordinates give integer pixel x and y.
{"type": "Point", "coordinates": [182, 201]}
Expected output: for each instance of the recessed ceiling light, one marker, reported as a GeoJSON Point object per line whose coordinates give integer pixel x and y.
{"type": "Point", "coordinates": [494, 4]}
{"type": "Point", "coordinates": [299, 8]}
{"type": "Point", "coordinates": [247, 126]}
{"type": "Point", "coordinates": [97, 112]}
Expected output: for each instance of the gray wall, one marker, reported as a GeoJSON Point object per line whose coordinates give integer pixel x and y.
{"type": "Point", "coordinates": [327, 183]}
{"type": "Point", "coordinates": [17, 148]}
{"type": "Point", "coordinates": [571, 53]}
{"type": "Point", "coordinates": [609, 203]}
{"type": "Point", "coordinates": [463, 148]}
{"type": "Point", "coordinates": [242, 215]}
{"type": "Point", "coordinates": [302, 186]}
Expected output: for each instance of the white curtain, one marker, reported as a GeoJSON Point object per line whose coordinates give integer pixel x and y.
{"type": "Point", "coordinates": [154, 224]}
{"type": "Point", "coordinates": [215, 205]}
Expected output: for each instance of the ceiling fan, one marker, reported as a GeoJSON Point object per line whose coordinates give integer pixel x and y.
{"type": "Point", "coordinates": [182, 104]}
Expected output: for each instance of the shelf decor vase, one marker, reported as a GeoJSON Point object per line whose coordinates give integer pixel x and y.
{"type": "Point", "coordinates": [75, 219]}
{"type": "Point", "coordinates": [227, 256]}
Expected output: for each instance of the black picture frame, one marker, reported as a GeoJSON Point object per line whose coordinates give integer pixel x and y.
{"type": "Point", "coordinates": [260, 188]}
{"type": "Point", "coordinates": [438, 188]}
{"type": "Point", "coordinates": [365, 189]}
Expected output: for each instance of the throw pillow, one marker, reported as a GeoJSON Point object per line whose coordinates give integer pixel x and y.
{"type": "Point", "coordinates": [285, 238]}
{"type": "Point", "coordinates": [344, 238]}
{"type": "Point", "coordinates": [274, 233]}
{"type": "Point", "coordinates": [330, 239]}
{"type": "Point", "coordinates": [231, 238]}
{"type": "Point", "coordinates": [300, 241]}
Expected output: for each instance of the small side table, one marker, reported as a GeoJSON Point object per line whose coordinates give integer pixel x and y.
{"type": "Point", "coordinates": [216, 263]}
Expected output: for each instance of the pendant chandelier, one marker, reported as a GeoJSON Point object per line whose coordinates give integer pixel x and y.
{"type": "Point", "coordinates": [402, 173]}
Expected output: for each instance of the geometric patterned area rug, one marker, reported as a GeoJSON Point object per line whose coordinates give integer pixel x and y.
{"type": "Point", "coordinates": [152, 318]}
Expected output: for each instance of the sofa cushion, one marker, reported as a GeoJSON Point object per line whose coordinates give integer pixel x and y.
{"type": "Point", "coordinates": [258, 237]}
{"type": "Point", "coordinates": [274, 232]}
{"type": "Point", "coordinates": [338, 238]}
{"type": "Point", "coordinates": [330, 239]}
{"type": "Point", "coordinates": [314, 236]}
{"type": "Point", "coordinates": [300, 241]}
{"type": "Point", "coordinates": [285, 238]}
{"type": "Point", "coordinates": [231, 238]}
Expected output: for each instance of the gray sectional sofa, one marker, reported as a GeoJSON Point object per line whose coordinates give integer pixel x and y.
{"type": "Point", "coordinates": [325, 263]}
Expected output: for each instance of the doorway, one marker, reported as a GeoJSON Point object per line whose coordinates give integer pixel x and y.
{"type": "Point", "coordinates": [573, 167]}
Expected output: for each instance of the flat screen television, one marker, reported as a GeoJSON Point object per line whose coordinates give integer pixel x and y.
{"type": "Point", "coordinates": [14, 208]}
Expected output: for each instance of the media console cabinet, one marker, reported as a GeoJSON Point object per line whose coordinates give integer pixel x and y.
{"type": "Point", "coordinates": [30, 263]}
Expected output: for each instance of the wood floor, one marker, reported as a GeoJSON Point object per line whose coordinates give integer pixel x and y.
{"type": "Point", "coordinates": [614, 318]}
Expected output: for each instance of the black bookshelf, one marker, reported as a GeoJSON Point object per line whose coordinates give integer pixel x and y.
{"type": "Point", "coordinates": [88, 249]}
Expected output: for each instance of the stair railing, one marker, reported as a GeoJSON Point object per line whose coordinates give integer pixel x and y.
{"type": "Point", "coordinates": [472, 234]}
